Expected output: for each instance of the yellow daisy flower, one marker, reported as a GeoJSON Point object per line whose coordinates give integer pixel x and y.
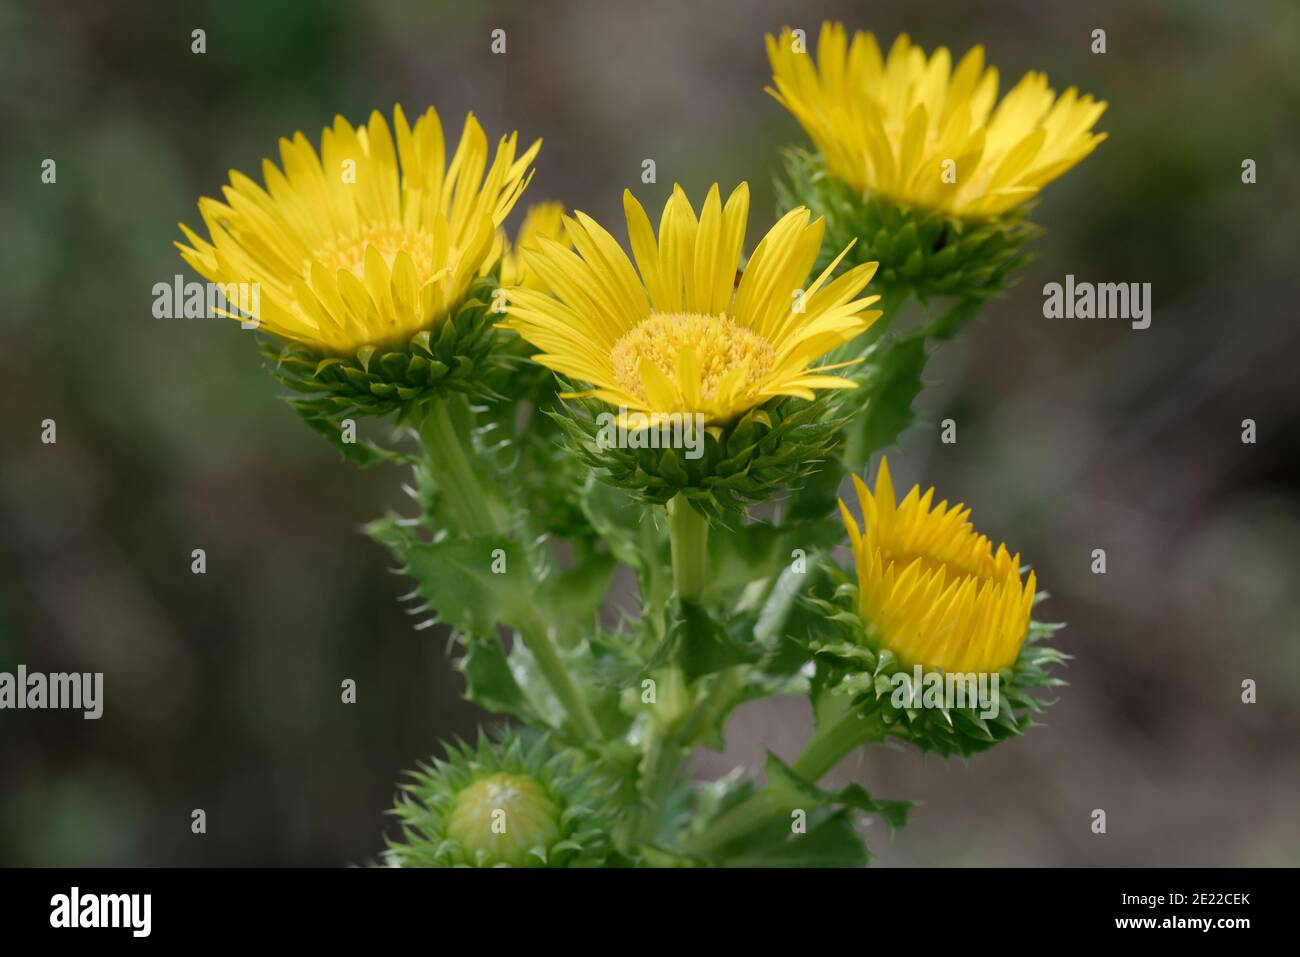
{"type": "Point", "coordinates": [684, 336]}
{"type": "Point", "coordinates": [931, 587]}
{"type": "Point", "coordinates": [368, 243]}
{"type": "Point", "coordinates": [919, 131]}
{"type": "Point", "coordinates": [542, 221]}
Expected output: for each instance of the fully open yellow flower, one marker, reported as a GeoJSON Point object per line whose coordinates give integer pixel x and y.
{"type": "Point", "coordinates": [917, 130]}
{"type": "Point", "coordinates": [931, 587]}
{"type": "Point", "coordinates": [370, 242]}
{"type": "Point", "coordinates": [684, 336]}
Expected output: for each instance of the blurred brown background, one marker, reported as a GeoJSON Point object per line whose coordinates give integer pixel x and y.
{"type": "Point", "coordinates": [222, 691]}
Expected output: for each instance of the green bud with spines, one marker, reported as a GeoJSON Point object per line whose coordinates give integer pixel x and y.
{"type": "Point", "coordinates": [516, 802]}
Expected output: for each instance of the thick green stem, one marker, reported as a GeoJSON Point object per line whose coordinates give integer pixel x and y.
{"type": "Point", "coordinates": [836, 738]}
{"type": "Point", "coordinates": [662, 749]}
{"type": "Point", "coordinates": [688, 536]}
{"type": "Point", "coordinates": [473, 506]}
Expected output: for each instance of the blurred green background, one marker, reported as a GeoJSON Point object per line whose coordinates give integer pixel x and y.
{"type": "Point", "coordinates": [222, 691]}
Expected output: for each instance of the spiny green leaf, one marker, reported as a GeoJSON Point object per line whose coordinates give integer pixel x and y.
{"type": "Point", "coordinates": [890, 383]}
{"type": "Point", "coordinates": [462, 580]}
{"type": "Point", "coordinates": [489, 682]}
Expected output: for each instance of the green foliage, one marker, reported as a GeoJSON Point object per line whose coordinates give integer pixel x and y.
{"type": "Point", "coordinates": [829, 840]}
{"type": "Point", "coordinates": [891, 381]}
{"type": "Point", "coordinates": [701, 646]}
{"type": "Point", "coordinates": [479, 585]}
{"type": "Point", "coordinates": [807, 827]}
{"type": "Point", "coordinates": [456, 577]}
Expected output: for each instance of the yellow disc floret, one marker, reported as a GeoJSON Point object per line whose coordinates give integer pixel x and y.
{"type": "Point", "coordinates": [717, 352]}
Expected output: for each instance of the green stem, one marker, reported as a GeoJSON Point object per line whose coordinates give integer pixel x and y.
{"type": "Point", "coordinates": [833, 740]}
{"type": "Point", "coordinates": [688, 536]}
{"type": "Point", "coordinates": [750, 814]}
{"type": "Point", "coordinates": [778, 601]}
{"type": "Point", "coordinates": [474, 507]}
{"type": "Point", "coordinates": [662, 749]}
{"type": "Point", "coordinates": [537, 637]}
{"type": "Point", "coordinates": [659, 763]}
{"type": "Point", "coordinates": [712, 706]}
{"type": "Point", "coordinates": [478, 511]}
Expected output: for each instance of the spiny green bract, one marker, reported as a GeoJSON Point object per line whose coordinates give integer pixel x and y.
{"type": "Point", "coordinates": [458, 354]}
{"type": "Point", "coordinates": [516, 802]}
{"type": "Point", "coordinates": [925, 252]}
{"type": "Point", "coordinates": [749, 460]}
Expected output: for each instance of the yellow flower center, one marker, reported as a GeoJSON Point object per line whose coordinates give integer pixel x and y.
{"type": "Point", "coordinates": [504, 816]}
{"type": "Point", "coordinates": [719, 344]}
{"type": "Point", "coordinates": [350, 252]}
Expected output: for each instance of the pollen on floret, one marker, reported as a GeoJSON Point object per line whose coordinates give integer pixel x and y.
{"type": "Point", "coordinates": [718, 344]}
{"type": "Point", "coordinates": [349, 253]}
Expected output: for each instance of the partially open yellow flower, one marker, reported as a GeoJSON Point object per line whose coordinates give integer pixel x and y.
{"type": "Point", "coordinates": [917, 130]}
{"type": "Point", "coordinates": [684, 336]}
{"type": "Point", "coordinates": [931, 588]}
{"type": "Point", "coordinates": [368, 243]}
